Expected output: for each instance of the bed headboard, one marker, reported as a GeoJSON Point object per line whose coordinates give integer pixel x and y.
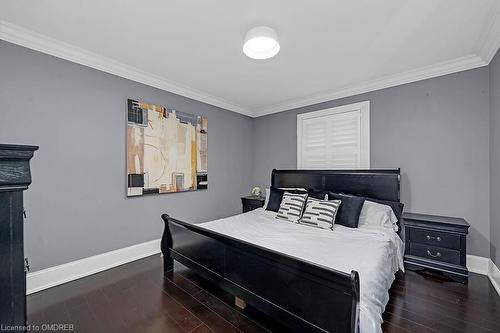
{"type": "Point", "coordinates": [377, 184]}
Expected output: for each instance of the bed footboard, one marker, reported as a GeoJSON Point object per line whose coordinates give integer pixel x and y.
{"type": "Point", "coordinates": [301, 295]}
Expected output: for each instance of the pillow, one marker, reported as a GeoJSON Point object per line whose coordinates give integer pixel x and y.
{"type": "Point", "coordinates": [321, 195]}
{"type": "Point", "coordinates": [349, 210]}
{"type": "Point", "coordinates": [275, 196]}
{"type": "Point", "coordinates": [291, 206]}
{"type": "Point", "coordinates": [293, 189]}
{"type": "Point", "coordinates": [320, 213]}
{"type": "Point", "coordinates": [268, 190]}
{"type": "Point", "coordinates": [377, 215]}
{"type": "Point", "coordinates": [397, 207]}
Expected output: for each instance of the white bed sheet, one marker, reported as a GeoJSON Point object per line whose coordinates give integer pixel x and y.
{"type": "Point", "coordinates": [375, 253]}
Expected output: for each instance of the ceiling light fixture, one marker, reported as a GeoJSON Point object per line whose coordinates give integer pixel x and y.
{"type": "Point", "coordinates": [261, 43]}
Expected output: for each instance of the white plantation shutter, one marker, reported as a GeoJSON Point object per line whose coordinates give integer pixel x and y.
{"type": "Point", "coordinates": [337, 138]}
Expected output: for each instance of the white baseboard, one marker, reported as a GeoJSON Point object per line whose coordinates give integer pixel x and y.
{"type": "Point", "coordinates": [53, 276]}
{"type": "Point", "coordinates": [494, 275]}
{"type": "Point", "coordinates": [484, 266]}
{"type": "Point", "coordinates": [479, 265]}
{"type": "Point", "coordinates": [57, 275]}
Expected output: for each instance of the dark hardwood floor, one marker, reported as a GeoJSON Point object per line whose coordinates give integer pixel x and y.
{"type": "Point", "coordinates": [137, 298]}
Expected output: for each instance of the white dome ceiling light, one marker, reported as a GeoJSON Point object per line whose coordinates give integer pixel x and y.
{"type": "Point", "coordinates": [261, 43]}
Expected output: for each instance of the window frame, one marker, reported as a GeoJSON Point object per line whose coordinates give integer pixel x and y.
{"type": "Point", "coordinates": [364, 111]}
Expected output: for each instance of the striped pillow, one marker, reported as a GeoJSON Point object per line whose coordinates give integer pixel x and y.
{"type": "Point", "coordinates": [291, 206]}
{"type": "Point", "coordinates": [320, 213]}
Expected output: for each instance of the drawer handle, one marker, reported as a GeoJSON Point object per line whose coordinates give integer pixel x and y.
{"type": "Point", "coordinates": [433, 238]}
{"type": "Point", "coordinates": [437, 255]}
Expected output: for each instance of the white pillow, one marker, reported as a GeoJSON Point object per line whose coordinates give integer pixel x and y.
{"type": "Point", "coordinates": [268, 192]}
{"type": "Point", "coordinates": [320, 213]}
{"type": "Point", "coordinates": [377, 215]}
{"type": "Point", "coordinates": [291, 206]}
{"type": "Point", "coordinates": [293, 189]}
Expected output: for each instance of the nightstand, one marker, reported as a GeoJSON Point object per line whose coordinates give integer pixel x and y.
{"type": "Point", "coordinates": [252, 202]}
{"type": "Point", "coordinates": [436, 243]}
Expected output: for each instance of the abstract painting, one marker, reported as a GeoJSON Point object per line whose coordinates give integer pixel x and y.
{"type": "Point", "coordinates": [167, 150]}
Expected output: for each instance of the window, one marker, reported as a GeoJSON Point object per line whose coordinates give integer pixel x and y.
{"type": "Point", "coordinates": [337, 138]}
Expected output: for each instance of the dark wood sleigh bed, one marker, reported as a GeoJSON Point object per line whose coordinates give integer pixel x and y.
{"type": "Point", "coordinates": [301, 295]}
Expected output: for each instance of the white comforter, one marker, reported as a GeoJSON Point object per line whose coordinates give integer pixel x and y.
{"type": "Point", "coordinates": [375, 253]}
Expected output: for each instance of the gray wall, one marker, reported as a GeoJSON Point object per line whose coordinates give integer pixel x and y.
{"type": "Point", "coordinates": [76, 205]}
{"type": "Point", "coordinates": [436, 131]}
{"type": "Point", "coordinates": [495, 158]}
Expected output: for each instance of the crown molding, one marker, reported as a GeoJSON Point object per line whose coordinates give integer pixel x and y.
{"type": "Point", "coordinates": [487, 46]}
{"type": "Point", "coordinates": [489, 42]}
{"type": "Point", "coordinates": [21, 36]}
{"type": "Point", "coordinates": [448, 67]}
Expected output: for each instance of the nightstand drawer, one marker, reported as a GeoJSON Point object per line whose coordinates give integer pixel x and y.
{"type": "Point", "coordinates": [435, 253]}
{"type": "Point", "coordinates": [250, 206]}
{"type": "Point", "coordinates": [435, 238]}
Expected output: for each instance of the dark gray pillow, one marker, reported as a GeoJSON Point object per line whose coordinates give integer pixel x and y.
{"type": "Point", "coordinates": [349, 210]}
{"type": "Point", "coordinates": [276, 195]}
{"type": "Point", "coordinates": [320, 195]}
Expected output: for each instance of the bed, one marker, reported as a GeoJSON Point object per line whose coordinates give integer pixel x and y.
{"type": "Point", "coordinates": [309, 279]}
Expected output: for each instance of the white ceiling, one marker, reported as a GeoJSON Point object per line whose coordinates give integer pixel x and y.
{"type": "Point", "coordinates": [329, 49]}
